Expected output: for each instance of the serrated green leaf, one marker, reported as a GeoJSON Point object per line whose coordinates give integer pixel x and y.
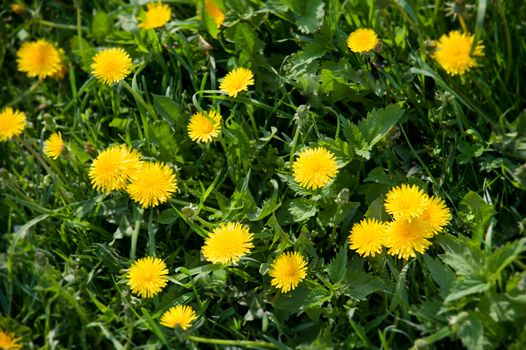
{"type": "Point", "coordinates": [101, 26]}
{"type": "Point", "coordinates": [163, 137]}
{"type": "Point", "coordinates": [301, 209]}
{"type": "Point", "coordinates": [169, 110]}
{"type": "Point", "coordinates": [311, 17]}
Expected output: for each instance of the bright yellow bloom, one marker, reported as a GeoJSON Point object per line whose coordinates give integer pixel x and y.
{"type": "Point", "coordinates": [227, 243]}
{"type": "Point", "coordinates": [368, 237]}
{"type": "Point", "coordinates": [204, 127]}
{"type": "Point", "coordinates": [179, 316]}
{"type": "Point", "coordinates": [38, 59]}
{"type": "Point", "coordinates": [215, 12]}
{"type": "Point", "coordinates": [436, 214]}
{"type": "Point", "coordinates": [362, 40]}
{"type": "Point", "coordinates": [404, 238]}
{"type": "Point", "coordinates": [453, 52]}
{"type": "Point", "coordinates": [147, 276]}
{"type": "Point", "coordinates": [406, 202]}
{"type": "Point", "coordinates": [111, 65]}
{"type": "Point", "coordinates": [152, 184]}
{"type": "Point", "coordinates": [315, 167]}
{"type": "Point", "coordinates": [287, 271]}
{"type": "Point", "coordinates": [12, 123]}
{"type": "Point", "coordinates": [156, 16]}
{"type": "Point", "coordinates": [114, 166]}
{"type": "Point", "coordinates": [236, 81]}
{"type": "Point", "coordinates": [8, 341]}
{"type": "Point", "coordinates": [54, 145]}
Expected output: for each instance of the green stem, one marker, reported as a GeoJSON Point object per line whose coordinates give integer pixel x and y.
{"type": "Point", "coordinates": [26, 93]}
{"type": "Point", "coordinates": [185, 203]}
{"type": "Point", "coordinates": [59, 25]}
{"type": "Point", "coordinates": [243, 343]}
{"type": "Point", "coordinates": [135, 235]}
{"type": "Point", "coordinates": [151, 235]}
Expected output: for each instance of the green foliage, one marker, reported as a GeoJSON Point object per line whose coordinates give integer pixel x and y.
{"type": "Point", "coordinates": [390, 116]}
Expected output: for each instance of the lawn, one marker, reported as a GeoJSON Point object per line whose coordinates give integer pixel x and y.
{"type": "Point", "coordinates": [281, 174]}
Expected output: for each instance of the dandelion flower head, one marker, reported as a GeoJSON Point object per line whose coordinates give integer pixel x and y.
{"type": "Point", "coordinates": [453, 52]}
{"type": "Point", "coordinates": [287, 271]}
{"type": "Point", "coordinates": [38, 59]}
{"type": "Point", "coordinates": [362, 40]}
{"type": "Point", "coordinates": [227, 243]}
{"type": "Point", "coordinates": [111, 65]}
{"type": "Point", "coordinates": [436, 214]}
{"type": "Point", "coordinates": [180, 316]}
{"type": "Point", "coordinates": [215, 12]}
{"type": "Point", "coordinates": [147, 276]}
{"type": "Point", "coordinates": [406, 201]}
{"type": "Point", "coordinates": [156, 15]}
{"type": "Point", "coordinates": [12, 123]}
{"type": "Point", "coordinates": [203, 127]}
{"type": "Point", "coordinates": [236, 81]}
{"type": "Point", "coordinates": [54, 145]}
{"type": "Point", "coordinates": [152, 184]}
{"type": "Point", "coordinates": [315, 167]}
{"type": "Point", "coordinates": [404, 238]}
{"type": "Point", "coordinates": [113, 167]}
{"type": "Point", "coordinates": [368, 237]}
{"type": "Point", "coordinates": [8, 341]}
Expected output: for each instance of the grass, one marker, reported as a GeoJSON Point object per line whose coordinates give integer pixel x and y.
{"type": "Point", "coordinates": [391, 117]}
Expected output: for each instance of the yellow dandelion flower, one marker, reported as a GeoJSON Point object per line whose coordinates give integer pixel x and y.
{"type": "Point", "coordinates": [368, 237]}
{"type": "Point", "coordinates": [156, 16]}
{"type": "Point", "coordinates": [287, 271]}
{"type": "Point", "coordinates": [406, 202]}
{"type": "Point", "coordinates": [54, 145]}
{"type": "Point", "coordinates": [204, 127]}
{"type": "Point", "coordinates": [453, 52]}
{"type": "Point", "coordinates": [180, 316]}
{"type": "Point", "coordinates": [8, 341]}
{"type": "Point", "coordinates": [19, 9]}
{"type": "Point", "coordinates": [152, 184]}
{"type": "Point", "coordinates": [404, 238]}
{"type": "Point", "coordinates": [12, 123]}
{"type": "Point", "coordinates": [147, 276]}
{"type": "Point", "coordinates": [38, 59]}
{"type": "Point", "coordinates": [227, 243]}
{"type": "Point", "coordinates": [362, 40]}
{"type": "Point", "coordinates": [111, 65]}
{"type": "Point", "coordinates": [315, 167]}
{"type": "Point", "coordinates": [113, 167]}
{"type": "Point", "coordinates": [215, 12]}
{"type": "Point", "coordinates": [236, 81]}
{"type": "Point", "coordinates": [436, 214]}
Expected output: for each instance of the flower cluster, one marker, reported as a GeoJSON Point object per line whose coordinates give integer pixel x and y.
{"type": "Point", "coordinates": [147, 183]}
{"type": "Point", "coordinates": [416, 218]}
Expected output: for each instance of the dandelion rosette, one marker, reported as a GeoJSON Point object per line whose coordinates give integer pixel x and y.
{"type": "Point", "coordinates": [406, 202]}
{"type": "Point", "coordinates": [38, 59]}
{"type": "Point", "coordinates": [404, 238]}
{"type": "Point", "coordinates": [111, 65]}
{"type": "Point", "coordinates": [147, 276]}
{"type": "Point", "coordinates": [215, 12]}
{"type": "Point", "coordinates": [453, 52]}
{"type": "Point", "coordinates": [152, 184]}
{"type": "Point", "coordinates": [362, 40]}
{"type": "Point", "coordinates": [367, 237]}
{"type": "Point", "coordinates": [12, 123]}
{"type": "Point", "coordinates": [180, 316]}
{"type": "Point", "coordinates": [113, 168]}
{"type": "Point", "coordinates": [227, 243]}
{"type": "Point", "coordinates": [315, 167]}
{"type": "Point", "coordinates": [54, 145]}
{"type": "Point", "coordinates": [156, 16]}
{"type": "Point", "coordinates": [236, 81]}
{"type": "Point", "coordinates": [203, 127]}
{"type": "Point", "coordinates": [287, 271]}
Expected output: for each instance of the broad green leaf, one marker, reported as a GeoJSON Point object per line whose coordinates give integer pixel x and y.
{"type": "Point", "coordinates": [247, 40]}
{"type": "Point", "coordinates": [479, 213]}
{"type": "Point", "coordinates": [337, 269]}
{"type": "Point", "coordinates": [169, 110]}
{"type": "Point", "coordinates": [440, 273]}
{"type": "Point", "coordinates": [163, 136]}
{"type": "Point", "coordinates": [311, 16]}
{"type": "Point", "coordinates": [464, 287]}
{"type": "Point", "coordinates": [301, 209]}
